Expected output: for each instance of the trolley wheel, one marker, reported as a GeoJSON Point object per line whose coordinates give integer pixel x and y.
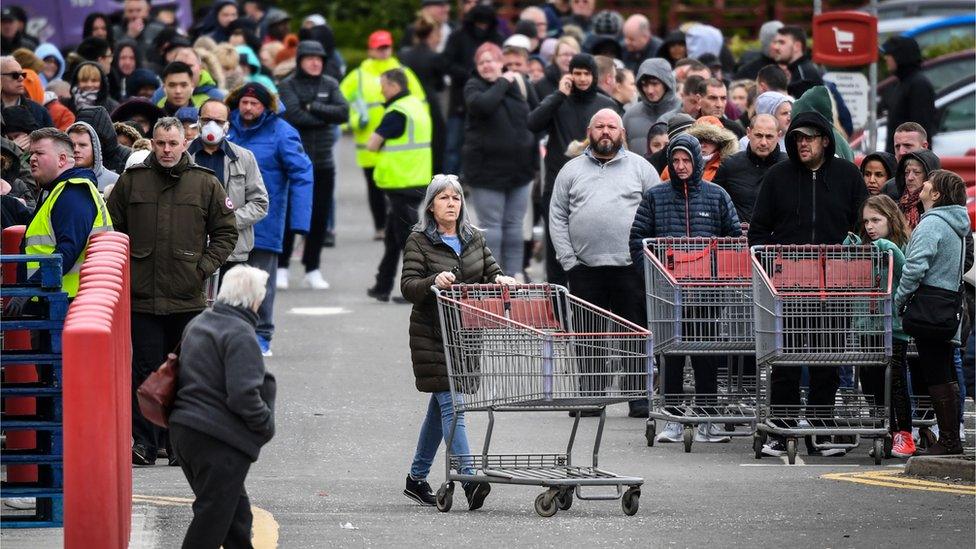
{"type": "Point", "coordinates": [689, 438]}
{"type": "Point", "coordinates": [565, 499]}
{"type": "Point", "coordinates": [791, 451]}
{"type": "Point", "coordinates": [888, 442]}
{"type": "Point", "coordinates": [757, 444]}
{"type": "Point", "coordinates": [445, 497]}
{"type": "Point", "coordinates": [630, 501]}
{"type": "Point", "coordinates": [879, 445]}
{"type": "Point", "coordinates": [545, 503]}
{"type": "Point", "coordinates": [650, 431]}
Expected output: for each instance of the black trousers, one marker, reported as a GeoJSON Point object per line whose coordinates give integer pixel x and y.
{"type": "Point", "coordinates": [216, 473]}
{"type": "Point", "coordinates": [153, 336]}
{"type": "Point", "coordinates": [377, 201]}
{"type": "Point", "coordinates": [619, 290]}
{"type": "Point", "coordinates": [401, 216]}
{"type": "Point", "coordinates": [321, 204]}
{"type": "Point", "coordinates": [873, 382]}
{"type": "Point", "coordinates": [937, 356]}
{"type": "Point", "coordinates": [785, 389]}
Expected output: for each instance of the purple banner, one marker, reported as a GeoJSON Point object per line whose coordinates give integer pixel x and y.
{"type": "Point", "coordinates": [60, 21]}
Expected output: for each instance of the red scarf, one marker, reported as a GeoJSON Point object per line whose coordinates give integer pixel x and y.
{"type": "Point", "coordinates": [908, 204]}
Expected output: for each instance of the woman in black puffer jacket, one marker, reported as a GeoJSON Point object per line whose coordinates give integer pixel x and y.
{"type": "Point", "coordinates": [442, 250]}
{"type": "Point", "coordinates": [499, 152]}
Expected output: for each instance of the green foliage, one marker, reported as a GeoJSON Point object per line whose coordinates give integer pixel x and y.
{"type": "Point", "coordinates": [958, 43]}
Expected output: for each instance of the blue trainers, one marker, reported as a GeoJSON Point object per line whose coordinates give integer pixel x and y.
{"type": "Point", "coordinates": [265, 346]}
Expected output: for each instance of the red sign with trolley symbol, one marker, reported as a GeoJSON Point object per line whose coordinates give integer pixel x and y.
{"type": "Point", "coordinates": [845, 39]}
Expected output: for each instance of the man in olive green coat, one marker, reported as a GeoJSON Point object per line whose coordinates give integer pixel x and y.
{"type": "Point", "coordinates": [181, 229]}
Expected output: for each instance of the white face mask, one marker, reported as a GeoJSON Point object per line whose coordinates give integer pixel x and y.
{"type": "Point", "coordinates": [212, 133]}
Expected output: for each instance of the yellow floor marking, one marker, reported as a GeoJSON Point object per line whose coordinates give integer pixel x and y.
{"type": "Point", "coordinates": [264, 529]}
{"type": "Point", "coordinates": [895, 479]}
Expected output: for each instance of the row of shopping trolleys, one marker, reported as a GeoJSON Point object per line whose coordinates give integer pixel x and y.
{"type": "Point", "coordinates": [536, 347]}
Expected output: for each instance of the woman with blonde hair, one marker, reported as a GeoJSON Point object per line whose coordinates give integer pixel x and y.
{"type": "Point", "coordinates": [566, 48]}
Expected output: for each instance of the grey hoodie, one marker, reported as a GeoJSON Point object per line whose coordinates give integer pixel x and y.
{"type": "Point", "coordinates": [934, 252]}
{"type": "Point", "coordinates": [642, 115]}
{"type": "Point", "coordinates": [105, 176]}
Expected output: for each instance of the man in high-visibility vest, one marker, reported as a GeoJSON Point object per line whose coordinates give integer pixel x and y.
{"type": "Point", "coordinates": [67, 216]}
{"type": "Point", "coordinates": [361, 88]}
{"type": "Point", "coordinates": [403, 169]}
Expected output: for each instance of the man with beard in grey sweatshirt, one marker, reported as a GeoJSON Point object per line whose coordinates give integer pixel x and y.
{"type": "Point", "coordinates": [656, 89]}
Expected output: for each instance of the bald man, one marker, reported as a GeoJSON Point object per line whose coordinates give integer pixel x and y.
{"type": "Point", "coordinates": [593, 205]}
{"type": "Point", "coordinates": [741, 173]}
{"type": "Point", "coordinates": [639, 42]}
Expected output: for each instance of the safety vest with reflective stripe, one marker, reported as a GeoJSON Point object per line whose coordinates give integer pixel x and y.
{"type": "Point", "coordinates": [361, 88]}
{"type": "Point", "coordinates": [405, 161]}
{"type": "Point", "coordinates": [40, 239]}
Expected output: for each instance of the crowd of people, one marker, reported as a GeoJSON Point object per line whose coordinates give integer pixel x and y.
{"type": "Point", "coordinates": [214, 146]}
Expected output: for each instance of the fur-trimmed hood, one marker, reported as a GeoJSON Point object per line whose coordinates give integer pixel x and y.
{"type": "Point", "coordinates": [234, 97]}
{"type": "Point", "coordinates": [707, 130]}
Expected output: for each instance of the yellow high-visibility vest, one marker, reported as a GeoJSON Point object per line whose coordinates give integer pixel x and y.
{"type": "Point", "coordinates": [405, 161]}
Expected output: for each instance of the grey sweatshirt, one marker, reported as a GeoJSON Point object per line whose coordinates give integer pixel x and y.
{"type": "Point", "coordinates": [223, 389]}
{"type": "Point", "coordinates": [642, 115]}
{"type": "Point", "coordinates": [593, 206]}
{"type": "Point", "coordinates": [934, 252]}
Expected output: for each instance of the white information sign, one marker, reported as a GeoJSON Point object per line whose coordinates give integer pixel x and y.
{"type": "Point", "coordinates": [854, 88]}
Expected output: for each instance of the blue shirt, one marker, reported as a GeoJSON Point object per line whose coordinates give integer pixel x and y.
{"type": "Point", "coordinates": [213, 162]}
{"type": "Point", "coordinates": [454, 242]}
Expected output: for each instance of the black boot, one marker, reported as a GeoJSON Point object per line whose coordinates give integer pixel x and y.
{"type": "Point", "coordinates": [945, 402]}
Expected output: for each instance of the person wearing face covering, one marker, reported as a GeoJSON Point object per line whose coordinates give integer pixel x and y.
{"type": "Point", "coordinates": [238, 172]}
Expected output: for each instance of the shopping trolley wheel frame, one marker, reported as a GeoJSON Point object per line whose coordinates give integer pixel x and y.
{"type": "Point", "coordinates": [758, 441]}
{"type": "Point", "coordinates": [445, 497]}
{"type": "Point", "coordinates": [546, 504]}
{"type": "Point", "coordinates": [650, 431]}
{"type": "Point", "coordinates": [630, 502]}
{"type": "Point", "coordinates": [791, 451]}
{"type": "Point", "coordinates": [689, 438]}
{"type": "Point", "coordinates": [565, 499]}
{"type": "Point", "coordinates": [879, 449]}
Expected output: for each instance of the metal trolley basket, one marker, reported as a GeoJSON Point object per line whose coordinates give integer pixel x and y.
{"type": "Point", "coordinates": [699, 302]}
{"type": "Point", "coordinates": [538, 348]}
{"type": "Point", "coordinates": [822, 306]}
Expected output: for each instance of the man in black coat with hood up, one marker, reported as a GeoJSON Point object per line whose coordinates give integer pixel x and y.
{"type": "Point", "coordinates": [912, 99]}
{"type": "Point", "coordinates": [564, 116]}
{"type": "Point", "coordinates": [813, 198]}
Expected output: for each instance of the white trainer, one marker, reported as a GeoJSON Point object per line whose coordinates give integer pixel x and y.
{"type": "Point", "coordinates": [315, 281]}
{"type": "Point", "coordinates": [672, 433]}
{"type": "Point", "coordinates": [21, 504]}
{"type": "Point", "coordinates": [707, 433]}
{"type": "Point", "coordinates": [281, 280]}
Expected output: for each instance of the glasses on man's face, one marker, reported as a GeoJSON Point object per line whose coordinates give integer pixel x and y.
{"type": "Point", "coordinates": [15, 75]}
{"type": "Point", "coordinates": [804, 138]}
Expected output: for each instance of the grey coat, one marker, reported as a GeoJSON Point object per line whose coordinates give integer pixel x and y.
{"type": "Point", "coordinates": [245, 189]}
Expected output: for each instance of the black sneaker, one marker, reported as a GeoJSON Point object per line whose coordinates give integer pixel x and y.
{"type": "Point", "coordinates": [419, 491]}
{"type": "Point", "coordinates": [476, 492]}
{"type": "Point", "coordinates": [328, 241]}
{"type": "Point", "coordinates": [141, 455]}
{"type": "Point", "coordinates": [376, 294]}
{"type": "Point", "coordinates": [774, 447]}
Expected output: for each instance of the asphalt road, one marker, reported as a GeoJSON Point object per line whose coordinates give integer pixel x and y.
{"type": "Point", "coordinates": [347, 422]}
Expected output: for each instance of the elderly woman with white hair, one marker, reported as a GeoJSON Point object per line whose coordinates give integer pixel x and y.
{"type": "Point", "coordinates": [224, 410]}
{"type": "Point", "coordinates": [443, 249]}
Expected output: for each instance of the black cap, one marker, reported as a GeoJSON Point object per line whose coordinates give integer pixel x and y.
{"type": "Point", "coordinates": [10, 13]}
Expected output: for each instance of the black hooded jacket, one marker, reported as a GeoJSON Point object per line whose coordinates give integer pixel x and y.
{"type": "Point", "coordinates": [799, 206]}
{"type": "Point", "coordinates": [103, 99]}
{"type": "Point", "coordinates": [895, 187]}
{"type": "Point", "coordinates": [741, 176]}
{"type": "Point", "coordinates": [912, 98]}
{"type": "Point", "coordinates": [565, 118]}
{"type": "Point", "coordinates": [460, 48]}
{"type": "Point", "coordinates": [113, 154]}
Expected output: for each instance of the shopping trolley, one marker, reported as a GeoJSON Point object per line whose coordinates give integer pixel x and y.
{"type": "Point", "coordinates": [699, 302]}
{"type": "Point", "coordinates": [535, 347]}
{"type": "Point", "coordinates": [210, 288]}
{"type": "Point", "coordinates": [822, 306]}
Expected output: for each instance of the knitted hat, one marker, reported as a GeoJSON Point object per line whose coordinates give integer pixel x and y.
{"type": "Point", "coordinates": [583, 61]}
{"type": "Point", "coordinates": [607, 23]}
{"type": "Point", "coordinates": [289, 51]}
{"type": "Point", "coordinates": [257, 91]}
{"type": "Point", "coordinates": [678, 124]}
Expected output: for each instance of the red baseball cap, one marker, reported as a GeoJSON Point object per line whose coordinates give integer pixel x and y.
{"type": "Point", "coordinates": [379, 39]}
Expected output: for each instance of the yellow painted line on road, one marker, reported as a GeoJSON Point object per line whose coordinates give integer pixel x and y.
{"type": "Point", "coordinates": [264, 529]}
{"type": "Point", "coordinates": [895, 479]}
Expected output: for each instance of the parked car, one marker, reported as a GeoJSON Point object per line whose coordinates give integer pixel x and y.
{"type": "Point", "coordinates": [956, 135]}
{"type": "Point", "coordinates": [896, 9]}
{"type": "Point", "coordinates": [944, 30]}
{"type": "Point", "coordinates": [942, 71]}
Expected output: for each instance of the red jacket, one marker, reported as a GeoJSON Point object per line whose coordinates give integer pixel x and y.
{"type": "Point", "coordinates": [62, 116]}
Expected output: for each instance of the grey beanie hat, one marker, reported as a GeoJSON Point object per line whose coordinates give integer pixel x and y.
{"type": "Point", "coordinates": [767, 32]}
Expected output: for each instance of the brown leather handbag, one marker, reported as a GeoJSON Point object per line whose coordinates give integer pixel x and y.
{"type": "Point", "coordinates": [157, 393]}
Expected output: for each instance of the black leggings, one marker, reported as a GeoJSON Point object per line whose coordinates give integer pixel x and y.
{"type": "Point", "coordinates": [321, 203]}
{"type": "Point", "coordinates": [937, 358]}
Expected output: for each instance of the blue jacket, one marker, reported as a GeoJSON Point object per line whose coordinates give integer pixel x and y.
{"type": "Point", "coordinates": [693, 207]}
{"type": "Point", "coordinates": [287, 174]}
{"type": "Point", "coordinates": [934, 252]}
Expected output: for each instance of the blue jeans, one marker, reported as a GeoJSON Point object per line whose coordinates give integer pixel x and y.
{"type": "Point", "coordinates": [500, 213]}
{"type": "Point", "coordinates": [267, 262]}
{"type": "Point", "coordinates": [453, 144]}
{"type": "Point", "coordinates": [957, 361]}
{"type": "Point", "coordinates": [437, 426]}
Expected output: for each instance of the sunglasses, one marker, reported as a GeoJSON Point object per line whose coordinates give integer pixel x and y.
{"type": "Point", "coordinates": [15, 75]}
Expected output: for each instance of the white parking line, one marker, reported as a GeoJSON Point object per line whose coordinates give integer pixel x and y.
{"type": "Point", "coordinates": [318, 311]}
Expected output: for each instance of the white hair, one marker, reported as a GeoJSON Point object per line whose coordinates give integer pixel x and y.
{"type": "Point", "coordinates": [243, 286]}
{"type": "Point", "coordinates": [439, 184]}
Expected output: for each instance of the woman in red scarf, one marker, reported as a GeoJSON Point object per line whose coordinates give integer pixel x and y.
{"type": "Point", "coordinates": [913, 169]}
